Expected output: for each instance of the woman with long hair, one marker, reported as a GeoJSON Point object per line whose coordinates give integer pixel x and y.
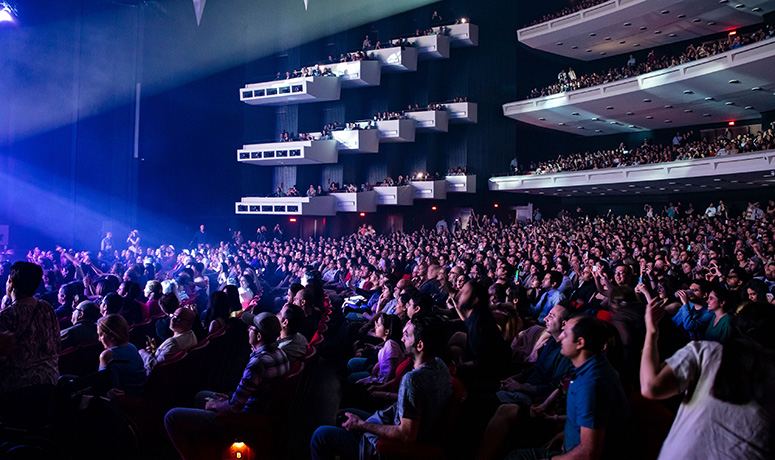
{"type": "Point", "coordinates": [729, 389]}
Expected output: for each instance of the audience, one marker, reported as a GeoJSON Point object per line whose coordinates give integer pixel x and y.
{"type": "Point", "coordinates": [689, 148]}
{"type": "Point", "coordinates": [456, 294]}
{"type": "Point", "coordinates": [569, 81]}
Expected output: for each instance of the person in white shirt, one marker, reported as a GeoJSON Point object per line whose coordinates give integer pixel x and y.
{"type": "Point", "coordinates": [710, 212]}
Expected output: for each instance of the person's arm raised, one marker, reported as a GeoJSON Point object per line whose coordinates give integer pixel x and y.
{"type": "Point", "coordinates": [655, 382]}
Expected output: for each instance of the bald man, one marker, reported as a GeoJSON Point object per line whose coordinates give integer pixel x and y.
{"type": "Point", "coordinates": [182, 338]}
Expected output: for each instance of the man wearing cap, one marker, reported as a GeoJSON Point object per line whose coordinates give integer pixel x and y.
{"type": "Point", "coordinates": [84, 328]}
{"type": "Point", "coordinates": [194, 432]}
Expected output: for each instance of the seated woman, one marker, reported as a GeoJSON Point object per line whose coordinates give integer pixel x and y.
{"type": "Point", "coordinates": [120, 357]}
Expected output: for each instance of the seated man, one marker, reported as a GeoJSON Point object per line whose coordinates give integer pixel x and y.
{"type": "Point", "coordinates": [182, 338]}
{"type": "Point", "coordinates": [194, 432]}
{"type": "Point", "coordinates": [518, 393]}
{"type": "Point", "coordinates": [293, 343]}
{"type": "Point", "coordinates": [84, 329]}
{"type": "Point", "coordinates": [418, 415]}
{"type": "Point", "coordinates": [551, 296]}
{"type": "Point", "coordinates": [597, 406]}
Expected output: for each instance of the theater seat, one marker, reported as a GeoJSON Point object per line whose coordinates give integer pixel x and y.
{"type": "Point", "coordinates": [403, 450]}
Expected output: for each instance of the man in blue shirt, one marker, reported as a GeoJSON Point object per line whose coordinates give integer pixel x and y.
{"type": "Point", "coordinates": [551, 296]}
{"type": "Point", "coordinates": [693, 316]}
{"type": "Point", "coordinates": [532, 386]}
{"type": "Point", "coordinates": [597, 405]}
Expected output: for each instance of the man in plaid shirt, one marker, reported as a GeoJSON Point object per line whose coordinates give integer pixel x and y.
{"type": "Point", "coordinates": [194, 432]}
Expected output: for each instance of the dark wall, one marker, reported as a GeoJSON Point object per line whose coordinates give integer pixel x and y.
{"type": "Point", "coordinates": [66, 147]}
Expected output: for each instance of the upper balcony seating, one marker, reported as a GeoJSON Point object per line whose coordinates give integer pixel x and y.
{"type": "Point", "coordinates": [618, 27]}
{"type": "Point", "coordinates": [733, 85]}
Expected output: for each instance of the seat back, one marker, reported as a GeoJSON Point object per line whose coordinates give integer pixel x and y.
{"type": "Point", "coordinates": [139, 332]}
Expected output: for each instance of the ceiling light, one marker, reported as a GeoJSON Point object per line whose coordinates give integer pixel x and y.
{"type": "Point", "coordinates": [668, 106]}
{"type": "Point", "coordinates": [593, 34]}
{"type": "Point", "coordinates": [561, 124]}
{"type": "Point", "coordinates": [711, 23]}
{"type": "Point", "coordinates": [649, 117]}
{"type": "Point", "coordinates": [705, 114]}
{"type": "Point", "coordinates": [636, 45]}
{"type": "Point", "coordinates": [668, 121]}
{"type": "Point", "coordinates": [559, 43]}
{"type": "Point", "coordinates": [709, 98]}
{"type": "Point", "coordinates": [574, 47]}
{"type": "Point", "coordinates": [643, 28]}
{"type": "Point", "coordinates": [756, 10]}
{"type": "Point", "coordinates": [729, 103]}
{"type": "Point", "coordinates": [607, 39]}
{"type": "Point", "coordinates": [646, 100]}
{"type": "Point", "coordinates": [542, 119]}
{"type": "Point", "coordinates": [681, 16]}
{"type": "Point", "coordinates": [696, 20]}
{"type": "Point", "coordinates": [602, 53]}
{"type": "Point", "coordinates": [575, 113]}
{"type": "Point", "coordinates": [671, 35]}
{"type": "Point", "coordinates": [610, 107]}
{"type": "Point", "coordinates": [688, 111]}
{"type": "Point", "coordinates": [756, 88]}
{"type": "Point", "coordinates": [657, 32]}
{"type": "Point", "coordinates": [734, 82]}
{"type": "Point", "coordinates": [688, 91]}
{"type": "Point", "coordinates": [739, 5]}
{"type": "Point", "coordinates": [598, 131]}
{"type": "Point", "coordinates": [665, 11]}
{"type": "Point", "coordinates": [623, 42]}
{"type": "Point", "coordinates": [630, 113]}
{"type": "Point", "coordinates": [627, 24]}
{"type": "Point", "coordinates": [748, 107]}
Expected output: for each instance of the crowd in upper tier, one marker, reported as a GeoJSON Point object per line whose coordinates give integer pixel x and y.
{"type": "Point", "coordinates": [685, 146]}
{"type": "Point", "coordinates": [572, 8]}
{"type": "Point", "coordinates": [570, 81]}
{"type": "Point", "coordinates": [506, 313]}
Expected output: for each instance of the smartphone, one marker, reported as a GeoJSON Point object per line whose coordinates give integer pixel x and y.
{"type": "Point", "coordinates": [516, 276]}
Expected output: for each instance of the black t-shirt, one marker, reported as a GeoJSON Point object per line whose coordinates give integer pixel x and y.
{"type": "Point", "coordinates": [485, 341]}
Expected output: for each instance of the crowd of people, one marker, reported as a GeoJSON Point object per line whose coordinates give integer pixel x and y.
{"type": "Point", "coordinates": [570, 81]}
{"type": "Point", "coordinates": [633, 307]}
{"type": "Point", "coordinates": [685, 146]}
{"type": "Point", "coordinates": [575, 6]}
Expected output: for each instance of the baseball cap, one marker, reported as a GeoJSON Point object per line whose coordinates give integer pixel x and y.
{"type": "Point", "coordinates": [266, 323]}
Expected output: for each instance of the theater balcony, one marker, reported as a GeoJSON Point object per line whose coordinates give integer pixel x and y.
{"type": "Point", "coordinates": [431, 46]}
{"type": "Point", "coordinates": [624, 26]}
{"type": "Point", "coordinates": [746, 170]}
{"type": "Point", "coordinates": [357, 140]}
{"type": "Point", "coordinates": [462, 112]}
{"type": "Point", "coordinates": [297, 205]}
{"type": "Point", "coordinates": [436, 121]}
{"type": "Point", "coordinates": [358, 73]}
{"type": "Point", "coordinates": [461, 184]}
{"type": "Point", "coordinates": [356, 202]}
{"type": "Point", "coordinates": [292, 91]}
{"type": "Point", "coordinates": [460, 35]}
{"type": "Point", "coordinates": [395, 59]}
{"type": "Point", "coordinates": [429, 189]}
{"type": "Point", "coordinates": [735, 85]}
{"type": "Point", "coordinates": [402, 195]}
{"type": "Point", "coordinates": [289, 153]}
{"type": "Point", "coordinates": [392, 131]}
